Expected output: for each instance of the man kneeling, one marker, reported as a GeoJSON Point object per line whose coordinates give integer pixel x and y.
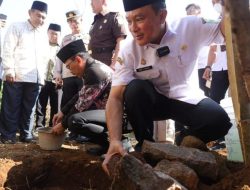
{"type": "Point", "coordinates": [84, 114]}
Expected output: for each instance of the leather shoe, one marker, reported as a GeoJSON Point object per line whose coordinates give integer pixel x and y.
{"type": "Point", "coordinates": [27, 140]}
{"type": "Point", "coordinates": [97, 151]}
{"type": "Point", "coordinates": [7, 141]}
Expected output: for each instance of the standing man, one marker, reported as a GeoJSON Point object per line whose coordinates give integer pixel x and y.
{"type": "Point", "coordinates": [217, 67]}
{"type": "Point", "coordinates": [106, 33]}
{"type": "Point", "coordinates": [24, 62]}
{"type": "Point", "coordinates": [217, 63]}
{"type": "Point", "coordinates": [71, 83]}
{"type": "Point", "coordinates": [193, 9]}
{"type": "Point", "coordinates": [3, 19]}
{"type": "Point", "coordinates": [49, 91]}
{"type": "Point", "coordinates": [152, 77]}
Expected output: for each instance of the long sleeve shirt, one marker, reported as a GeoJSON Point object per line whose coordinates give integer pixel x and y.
{"type": "Point", "coordinates": [53, 49]}
{"type": "Point", "coordinates": [94, 93]}
{"type": "Point", "coordinates": [25, 53]}
{"type": "Point", "coordinates": [1, 66]}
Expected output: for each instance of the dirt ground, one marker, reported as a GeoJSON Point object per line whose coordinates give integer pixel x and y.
{"type": "Point", "coordinates": [26, 166]}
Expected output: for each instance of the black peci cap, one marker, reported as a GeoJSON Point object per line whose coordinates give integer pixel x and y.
{"type": "Point", "coordinates": [130, 5]}
{"type": "Point", "coordinates": [3, 16]}
{"type": "Point", "coordinates": [70, 50]}
{"type": "Point", "coordinates": [39, 5]}
{"type": "Point", "coordinates": [73, 14]}
{"type": "Point", "coordinates": [55, 27]}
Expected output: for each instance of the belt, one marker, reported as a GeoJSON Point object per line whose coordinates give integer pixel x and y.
{"type": "Point", "coordinates": [222, 48]}
{"type": "Point", "coordinates": [102, 50]}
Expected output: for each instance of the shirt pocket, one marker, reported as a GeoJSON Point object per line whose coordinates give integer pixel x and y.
{"type": "Point", "coordinates": [185, 58]}
{"type": "Point", "coordinates": [148, 74]}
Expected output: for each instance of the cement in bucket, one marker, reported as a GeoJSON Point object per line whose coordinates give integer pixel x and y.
{"type": "Point", "coordinates": [49, 141]}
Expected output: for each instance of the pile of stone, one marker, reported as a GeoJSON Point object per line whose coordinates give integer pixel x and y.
{"type": "Point", "coordinates": [166, 166]}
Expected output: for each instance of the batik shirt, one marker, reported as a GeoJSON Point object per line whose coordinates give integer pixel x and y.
{"type": "Point", "coordinates": [94, 93]}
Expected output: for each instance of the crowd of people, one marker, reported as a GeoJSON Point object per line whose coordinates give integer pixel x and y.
{"type": "Point", "coordinates": [105, 76]}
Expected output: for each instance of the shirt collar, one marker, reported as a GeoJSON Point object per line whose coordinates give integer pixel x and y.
{"type": "Point", "coordinates": [104, 11]}
{"type": "Point", "coordinates": [169, 34]}
{"type": "Point", "coordinates": [31, 27]}
{"type": "Point", "coordinates": [100, 15]}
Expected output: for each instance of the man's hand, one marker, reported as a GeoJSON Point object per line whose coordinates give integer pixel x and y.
{"type": "Point", "coordinates": [207, 74]}
{"type": "Point", "coordinates": [59, 82]}
{"type": "Point", "coordinates": [58, 129]}
{"type": "Point", "coordinates": [57, 118]}
{"type": "Point", "coordinates": [115, 147]}
{"type": "Point", "coordinates": [113, 61]}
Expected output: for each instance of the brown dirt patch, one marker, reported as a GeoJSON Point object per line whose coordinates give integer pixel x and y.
{"type": "Point", "coordinates": [26, 166]}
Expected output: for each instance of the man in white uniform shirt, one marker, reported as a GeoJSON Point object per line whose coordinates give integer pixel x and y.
{"type": "Point", "coordinates": [152, 77]}
{"type": "Point", "coordinates": [49, 92]}
{"type": "Point", "coordinates": [24, 61]}
{"type": "Point", "coordinates": [3, 19]}
{"type": "Point", "coordinates": [217, 62]}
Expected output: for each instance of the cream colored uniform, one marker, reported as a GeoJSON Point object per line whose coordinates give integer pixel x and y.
{"type": "Point", "coordinates": [171, 74]}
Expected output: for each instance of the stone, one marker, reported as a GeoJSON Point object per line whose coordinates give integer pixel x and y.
{"type": "Point", "coordinates": [203, 163]}
{"type": "Point", "coordinates": [193, 142]}
{"type": "Point", "coordinates": [134, 175]}
{"type": "Point", "coordinates": [182, 173]}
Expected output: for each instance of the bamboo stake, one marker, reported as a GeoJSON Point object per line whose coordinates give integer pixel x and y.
{"type": "Point", "coordinates": [238, 52]}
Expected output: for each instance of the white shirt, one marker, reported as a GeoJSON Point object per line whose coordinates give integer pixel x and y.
{"type": "Point", "coordinates": [25, 53]}
{"type": "Point", "coordinates": [220, 62]}
{"type": "Point", "coordinates": [202, 57]}
{"type": "Point", "coordinates": [171, 74]}
{"type": "Point", "coordinates": [53, 49]}
{"type": "Point", "coordinates": [1, 65]}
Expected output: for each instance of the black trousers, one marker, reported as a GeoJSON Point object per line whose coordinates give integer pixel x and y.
{"type": "Point", "coordinates": [71, 86]}
{"type": "Point", "coordinates": [219, 85]}
{"type": "Point", "coordinates": [91, 124]}
{"type": "Point", "coordinates": [48, 93]}
{"type": "Point", "coordinates": [207, 120]}
{"type": "Point", "coordinates": [202, 82]}
{"type": "Point", "coordinates": [0, 84]}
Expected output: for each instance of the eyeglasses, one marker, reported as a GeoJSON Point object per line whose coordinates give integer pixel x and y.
{"type": "Point", "coordinates": [68, 65]}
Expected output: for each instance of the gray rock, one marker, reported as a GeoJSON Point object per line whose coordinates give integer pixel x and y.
{"type": "Point", "coordinates": [182, 173]}
{"type": "Point", "coordinates": [203, 163]}
{"type": "Point", "coordinates": [132, 174]}
{"type": "Point", "coordinates": [194, 142]}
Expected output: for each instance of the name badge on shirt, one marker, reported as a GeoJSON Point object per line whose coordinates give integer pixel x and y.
{"type": "Point", "coordinates": [144, 68]}
{"type": "Point", "coordinates": [163, 51]}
